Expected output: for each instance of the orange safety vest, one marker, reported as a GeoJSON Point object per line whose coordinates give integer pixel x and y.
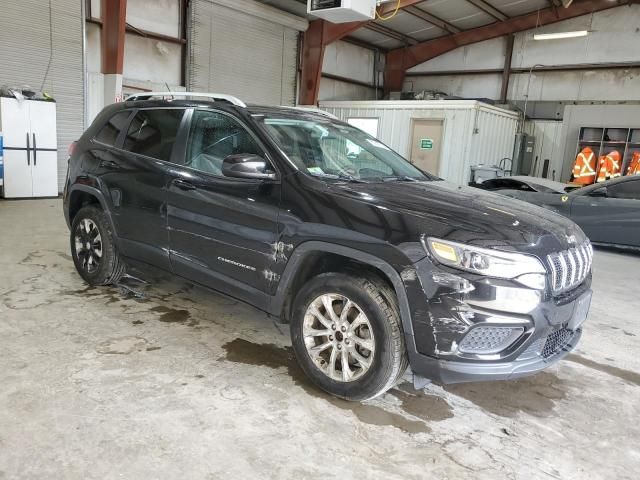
{"type": "Point", "coordinates": [634, 166]}
{"type": "Point", "coordinates": [609, 166]}
{"type": "Point", "coordinates": [614, 164]}
{"type": "Point", "coordinates": [584, 171]}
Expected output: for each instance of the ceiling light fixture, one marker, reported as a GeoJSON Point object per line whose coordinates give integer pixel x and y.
{"type": "Point", "coordinates": [559, 35]}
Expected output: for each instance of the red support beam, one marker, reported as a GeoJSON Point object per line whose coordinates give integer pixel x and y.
{"type": "Point", "coordinates": [320, 34]}
{"type": "Point", "coordinates": [114, 25]}
{"type": "Point", "coordinates": [398, 61]}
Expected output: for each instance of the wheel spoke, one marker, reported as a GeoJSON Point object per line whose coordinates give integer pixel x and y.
{"type": "Point", "coordinates": [332, 363]}
{"type": "Point", "coordinates": [313, 310]}
{"type": "Point", "coordinates": [359, 321]}
{"type": "Point", "coordinates": [347, 374]}
{"type": "Point", "coordinates": [363, 361]}
{"type": "Point", "coordinates": [327, 301]}
{"type": "Point", "coordinates": [316, 351]}
{"type": "Point", "coordinates": [312, 332]}
{"type": "Point", "coordinates": [345, 310]}
{"type": "Point", "coordinates": [364, 343]}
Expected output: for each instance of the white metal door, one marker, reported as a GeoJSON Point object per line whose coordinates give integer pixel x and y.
{"type": "Point", "coordinates": [15, 123]}
{"type": "Point", "coordinates": [17, 174]}
{"type": "Point", "coordinates": [45, 173]}
{"type": "Point", "coordinates": [244, 48]}
{"type": "Point", "coordinates": [42, 116]}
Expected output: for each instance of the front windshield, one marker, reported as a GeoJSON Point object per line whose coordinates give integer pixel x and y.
{"type": "Point", "coordinates": [331, 150]}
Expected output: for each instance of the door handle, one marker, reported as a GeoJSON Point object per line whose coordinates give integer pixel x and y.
{"type": "Point", "coordinates": [35, 151]}
{"type": "Point", "coordinates": [184, 185]}
{"type": "Point", "coordinates": [28, 150]}
{"type": "Point", "coordinates": [110, 164]}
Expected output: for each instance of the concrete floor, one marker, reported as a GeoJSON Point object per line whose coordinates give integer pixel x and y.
{"type": "Point", "coordinates": [182, 383]}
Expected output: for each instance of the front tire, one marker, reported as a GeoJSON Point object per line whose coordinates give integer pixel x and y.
{"type": "Point", "coordinates": [347, 336]}
{"type": "Point", "coordinates": [93, 248]}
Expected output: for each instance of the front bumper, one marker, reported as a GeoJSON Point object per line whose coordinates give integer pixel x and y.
{"type": "Point", "coordinates": [446, 305]}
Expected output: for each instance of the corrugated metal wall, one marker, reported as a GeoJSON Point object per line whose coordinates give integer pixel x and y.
{"type": "Point", "coordinates": [474, 133]}
{"type": "Point", "coordinates": [549, 146]}
{"type": "Point", "coordinates": [25, 47]}
{"type": "Point", "coordinates": [250, 53]}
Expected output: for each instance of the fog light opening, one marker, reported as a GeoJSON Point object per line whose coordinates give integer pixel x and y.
{"type": "Point", "coordinates": [485, 340]}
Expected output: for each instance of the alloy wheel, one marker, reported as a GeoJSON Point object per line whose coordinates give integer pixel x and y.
{"type": "Point", "coordinates": [338, 337]}
{"type": "Point", "coordinates": [88, 242]}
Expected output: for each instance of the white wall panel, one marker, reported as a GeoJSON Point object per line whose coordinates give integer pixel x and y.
{"type": "Point", "coordinates": [465, 86]}
{"type": "Point", "coordinates": [487, 55]}
{"type": "Point", "coordinates": [158, 16]}
{"type": "Point", "coordinates": [244, 49]}
{"type": "Point", "coordinates": [349, 61]}
{"type": "Point", "coordinates": [152, 60]}
{"type": "Point", "coordinates": [331, 89]}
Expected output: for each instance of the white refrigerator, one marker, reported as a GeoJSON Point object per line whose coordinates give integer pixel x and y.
{"type": "Point", "coordinates": [30, 148]}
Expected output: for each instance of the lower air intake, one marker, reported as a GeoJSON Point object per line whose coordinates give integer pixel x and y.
{"type": "Point", "coordinates": [487, 340]}
{"type": "Point", "coordinates": [556, 341]}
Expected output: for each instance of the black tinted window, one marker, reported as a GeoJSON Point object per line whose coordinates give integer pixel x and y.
{"type": "Point", "coordinates": [629, 190]}
{"type": "Point", "coordinates": [214, 137]}
{"type": "Point", "coordinates": [153, 133]}
{"type": "Point", "coordinates": [109, 133]}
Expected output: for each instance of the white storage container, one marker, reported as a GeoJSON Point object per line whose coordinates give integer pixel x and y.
{"type": "Point", "coordinates": [444, 137]}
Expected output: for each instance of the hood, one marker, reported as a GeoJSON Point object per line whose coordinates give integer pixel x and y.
{"type": "Point", "coordinates": [469, 215]}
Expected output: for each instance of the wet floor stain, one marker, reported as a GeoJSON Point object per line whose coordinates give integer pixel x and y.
{"type": "Point", "coordinates": [122, 346]}
{"type": "Point", "coordinates": [626, 375]}
{"type": "Point", "coordinates": [172, 315]}
{"type": "Point", "coordinates": [536, 395]}
{"type": "Point", "coordinates": [65, 256]}
{"type": "Point", "coordinates": [628, 334]}
{"type": "Point", "coordinates": [153, 349]}
{"type": "Point", "coordinates": [416, 404]}
{"type": "Point", "coordinates": [430, 408]}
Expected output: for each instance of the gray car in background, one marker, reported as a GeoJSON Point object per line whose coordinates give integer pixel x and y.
{"type": "Point", "coordinates": [608, 212]}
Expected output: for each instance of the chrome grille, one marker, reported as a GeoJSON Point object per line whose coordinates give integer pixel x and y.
{"type": "Point", "coordinates": [570, 268]}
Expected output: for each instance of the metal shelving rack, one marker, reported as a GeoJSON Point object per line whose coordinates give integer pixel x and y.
{"type": "Point", "coordinates": [603, 140]}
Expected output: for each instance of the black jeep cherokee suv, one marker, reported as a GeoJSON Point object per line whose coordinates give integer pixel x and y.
{"type": "Point", "coordinates": [375, 264]}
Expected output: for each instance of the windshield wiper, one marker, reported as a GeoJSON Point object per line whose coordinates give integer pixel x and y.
{"type": "Point", "coordinates": [400, 178]}
{"type": "Point", "coordinates": [340, 176]}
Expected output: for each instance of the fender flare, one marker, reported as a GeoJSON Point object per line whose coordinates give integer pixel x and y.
{"type": "Point", "coordinates": [303, 250]}
{"type": "Point", "coordinates": [101, 200]}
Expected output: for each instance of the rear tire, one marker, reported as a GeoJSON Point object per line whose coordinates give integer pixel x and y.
{"type": "Point", "coordinates": [93, 248]}
{"type": "Point", "coordinates": [355, 355]}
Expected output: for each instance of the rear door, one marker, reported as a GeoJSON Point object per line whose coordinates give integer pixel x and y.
{"type": "Point", "coordinates": [610, 214]}
{"type": "Point", "coordinates": [222, 230]}
{"type": "Point", "coordinates": [134, 172]}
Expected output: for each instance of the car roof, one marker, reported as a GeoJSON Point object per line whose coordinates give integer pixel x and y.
{"type": "Point", "coordinates": [608, 183]}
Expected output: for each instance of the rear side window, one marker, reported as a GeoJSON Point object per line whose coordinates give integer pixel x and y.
{"type": "Point", "coordinates": [153, 133]}
{"type": "Point", "coordinates": [109, 133]}
{"type": "Point", "coordinates": [629, 190]}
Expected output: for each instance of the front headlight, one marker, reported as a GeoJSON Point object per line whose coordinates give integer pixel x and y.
{"type": "Point", "coordinates": [525, 269]}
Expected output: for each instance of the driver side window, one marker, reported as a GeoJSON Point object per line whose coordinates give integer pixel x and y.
{"type": "Point", "coordinates": [213, 137]}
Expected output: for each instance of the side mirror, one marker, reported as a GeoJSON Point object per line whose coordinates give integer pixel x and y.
{"type": "Point", "coordinates": [248, 166]}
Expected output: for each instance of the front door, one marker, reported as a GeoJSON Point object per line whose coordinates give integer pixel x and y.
{"type": "Point", "coordinates": [222, 231]}
{"type": "Point", "coordinates": [610, 214]}
{"type": "Point", "coordinates": [426, 145]}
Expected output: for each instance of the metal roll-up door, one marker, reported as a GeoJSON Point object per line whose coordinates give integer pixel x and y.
{"type": "Point", "coordinates": [25, 47]}
{"type": "Point", "coordinates": [245, 49]}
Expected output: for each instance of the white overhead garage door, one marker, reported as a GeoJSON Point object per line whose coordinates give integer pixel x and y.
{"type": "Point", "coordinates": [25, 49]}
{"type": "Point", "coordinates": [244, 48]}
